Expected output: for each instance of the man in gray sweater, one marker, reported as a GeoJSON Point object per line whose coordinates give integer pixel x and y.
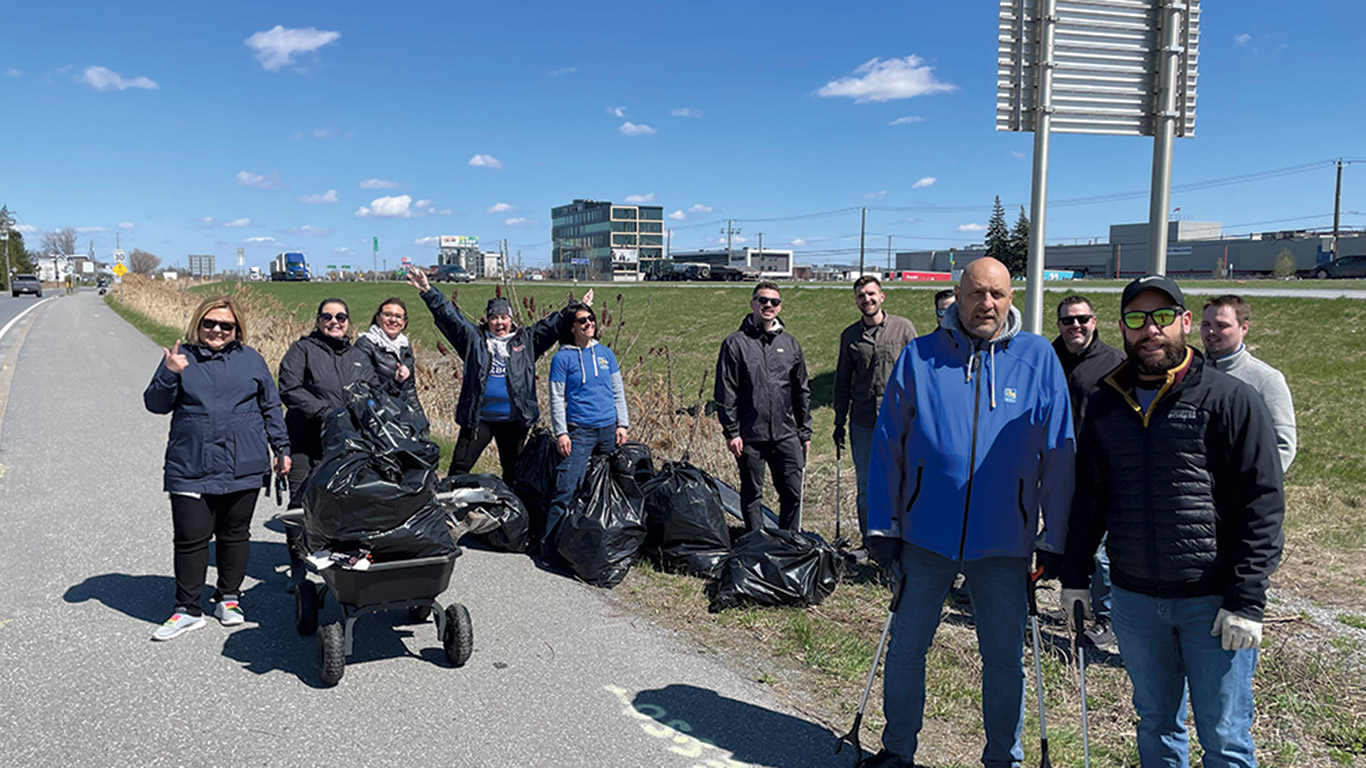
{"type": "Point", "coordinates": [1222, 328]}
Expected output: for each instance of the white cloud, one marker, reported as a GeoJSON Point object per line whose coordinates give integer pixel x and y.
{"type": "Point", "coordinates": [520, 221]}
{"type": "Point", "coordinates": [562, 71]}
{"type": "Point", "coordinates": [206, 221]}
{"type": "Point", "coordinates": [879, 80]}
{"type": "Point", "coordinates": [648, 197]}
{"type": "Point", "coordinates": [430, 240]}
{"type": "Point", "coordinates": [1018, 155]}
{"type": "Point", "coordinates": [341, 249]}
{"type": "Point", "coordinates": [486, 161]}
{"type": "Point", "coordinates": [102, 79]}
{"type": "Point", "coordinates": [699, 208]}
{"type": "Point", "coordinates": [324, 133]}
{"type": "Point", "coordinates": [907, 120]}
{"type": "Point", "coordinates": [678, 215]}
{"type": "Point", "coordinates": [237, 223]}
{"type": "Point", "coordinates": [631, 129]}
{"type": "Point", "coordinates": [84, 230]}
{"type": "Point", "coordinates": [797, 242]}
{"type": "Point", "coordinates": [1243, 39]}
{"type": "Point", "coordinates": [276, 48]}
{"type": "Point", "coordinates": [259, 180]}
{"type": "Point", "coordinates": [423, 204]}
{"type": "Point", "coordinates": [875, 195]}
{"type": "Point", "coordinates": [970, 227]}
{"type": "Point", "coordinates": [378, 184]}
{"type": "Point", "coordinates": [617, 111]}
{"type": "Point", "coordinates": [927, 181]}
{"type": "Point", "coordinates": [308, 229]}
{"type": "Point", "coordinates": [685, 112]}
{"type": "Point", "coordinates": [25, 229]}
{"type": "Point", "coordinates": [386, 208]}
{"type": "Point", "coordinates": [330, 196]}
{"type": "Point", "coordinates": [501, 208]}
{"type": "Point", "coordinates": [126, 225]}
{"type": "Point", "coordinates": [444, 212]}
{"type": "Point", "coordinates": [260, 240]}
{"type": "Point", "coordinates": [12, 73]}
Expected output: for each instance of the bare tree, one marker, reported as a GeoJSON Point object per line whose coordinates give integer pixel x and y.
{"type": "Point", "coordinates": [141, 262]}
{"type": "Point", "coordinates": [60, 242]}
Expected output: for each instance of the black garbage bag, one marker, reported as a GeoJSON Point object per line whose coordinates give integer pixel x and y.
{"type": "Point", "coordinates": [377, 422]}
{"type": "Point", "coordinates": [730, 501]}
{"type": "Point", "coordinates": [778, 567]}
{"type": "Point", "coordinates": [685, 521]}
{"type": "Point", "coordinates": [602, 532]}
{"type": "Point", "coordinates": [534, 482]}
{"type": "Point", "coordinates": [633, 466]}
{"type": "Point", "coordinates": [512, 533]}
{"type": "Point", "coordinates": [425, 534]}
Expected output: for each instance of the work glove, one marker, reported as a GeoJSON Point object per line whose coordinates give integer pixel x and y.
{"type": "Point", "coordinates": [839, 436]}
{"type": "Point", "coordinates": [1235, 632]}
{"type": "Point", "coordinates": [884, 550]}
{"type": "Point", "coordinates": [1049, 563]}
{"type": "Point", "coordinates": [1071, 597]}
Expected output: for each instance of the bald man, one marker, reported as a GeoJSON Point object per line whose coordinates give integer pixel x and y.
{"type": "Point", "coordinates": [973, 446]}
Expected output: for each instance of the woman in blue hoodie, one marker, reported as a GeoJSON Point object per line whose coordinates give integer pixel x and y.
{"type": "Point", "coordinates": [587, 408]}
{"type": "Point", "coordinates": [225, 418]}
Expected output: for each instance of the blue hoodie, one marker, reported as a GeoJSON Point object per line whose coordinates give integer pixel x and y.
{"type": "Point", "coordinates": [974, 439]}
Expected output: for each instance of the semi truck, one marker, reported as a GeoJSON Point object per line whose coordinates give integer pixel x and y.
{"type": "Point", "coordinates": [289, 267]}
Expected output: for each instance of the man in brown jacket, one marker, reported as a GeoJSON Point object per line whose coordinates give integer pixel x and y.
{"type": "Point", "coordinates": [868, 350]}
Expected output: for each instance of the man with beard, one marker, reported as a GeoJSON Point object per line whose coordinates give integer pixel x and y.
{"type": "Point", "coordinates": [973, 446]}
{"type": "Point", "coordinates": [1177, 462]}
{"type": "Point", "coordinates": [868, 348]}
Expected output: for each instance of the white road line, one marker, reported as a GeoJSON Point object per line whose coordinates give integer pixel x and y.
{"type": "Point", "coordinates": [20, 316]}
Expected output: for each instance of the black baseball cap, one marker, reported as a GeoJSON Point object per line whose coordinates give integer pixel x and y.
{"type": "Point", "coordinates": [498, 306]}
{"type": "Point", "coordinates": [1152, 283]}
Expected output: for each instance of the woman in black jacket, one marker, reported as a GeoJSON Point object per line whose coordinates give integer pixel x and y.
{"type": "Point", "coordinates": [225, 418]}
{"type": "Point", "coordinates": [390, 354]}
{"type": "Point", "coordinates": [313, 372]}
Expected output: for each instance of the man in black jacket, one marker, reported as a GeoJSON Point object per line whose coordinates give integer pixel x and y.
{"type": "Point", "coordinates": [1085, 361]}
{"type": "Point", "coordinates": [764, 404]}
{"type": "Point", "coordinates": [1178, 463]}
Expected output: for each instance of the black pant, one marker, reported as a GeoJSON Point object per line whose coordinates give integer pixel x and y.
{"type": "Point", "coordinates": [786, 459]}
{"type": "Point", "coordinates": [300, 464]}
{"type": "Point", "coordinates": [226, 517]}
{"type": "Point", "coordinates": [509, 436]}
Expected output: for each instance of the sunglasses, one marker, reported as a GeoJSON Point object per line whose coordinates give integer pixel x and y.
{"type": "Point", "coordinates": [328, 317]}
{"type": "Point", "coordinates": [769, 301]}
{"type": "Point", "coordinates": [1076, 319]}
{"type": "Point", "coordinates": [1136, 319]}
{"type": "Point", "coordinates": [584, 319]}
{"type": "Point", "coordinates": [208, 325]}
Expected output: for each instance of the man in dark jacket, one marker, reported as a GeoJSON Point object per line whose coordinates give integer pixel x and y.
{"type": "Point", "coordinates": [868, 350]}
{"type": "Point", "coordinates": [1085, 361]}
{"type": "Point", "coordinates": [764, 404]}
{"type": "Point", "coordinates": [1177, 461]}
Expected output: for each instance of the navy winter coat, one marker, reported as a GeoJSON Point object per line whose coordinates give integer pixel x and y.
{"type": "Point", "coordinates": [225, 415]}
{"type": "Point", "coordinates": [313, 372]}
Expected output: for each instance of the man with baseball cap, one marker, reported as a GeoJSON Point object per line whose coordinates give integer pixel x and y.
{"type": "Point", "coordinates": [1177, 462]}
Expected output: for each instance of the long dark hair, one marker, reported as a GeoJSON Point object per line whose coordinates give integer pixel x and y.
{"type": "Point", "coordinates": [350, 326]}
{"type": "Point", "coordinates": [571, 312]}
{"type": "Point", "coordinates": [396, 301]}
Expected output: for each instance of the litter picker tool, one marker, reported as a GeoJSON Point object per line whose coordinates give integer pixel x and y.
{"type": "Point", "coordinates": [852, 735]}
{"type": "Point", "coordinates": [1038, 668]}
{"type": "Point", "coordinates": [1078, 624]}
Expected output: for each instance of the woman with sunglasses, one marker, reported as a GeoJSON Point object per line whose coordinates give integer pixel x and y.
{"type": "Point", "coordinates": [587, 409]}
{"type": "Point", "coordinates": [225, 418]}
{"type": "Point", "coordinates": [390, 354]}
{"type": "Point", "coordinates": [313, 372]}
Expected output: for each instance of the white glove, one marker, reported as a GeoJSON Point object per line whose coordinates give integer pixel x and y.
{"type": "Point", "coordinates": [1071, 597]}
{"type": "Point", "coordinates": [1235, 632]}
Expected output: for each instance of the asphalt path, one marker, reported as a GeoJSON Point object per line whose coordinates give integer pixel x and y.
{"type": "Point", "coordinates": [561, 674]}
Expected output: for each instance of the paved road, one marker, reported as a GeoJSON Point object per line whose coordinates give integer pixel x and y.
{"type": "Point", "coordinates": [560, 675]}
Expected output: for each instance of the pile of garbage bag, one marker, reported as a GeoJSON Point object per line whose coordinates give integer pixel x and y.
{"type": "Point", "coordinates": [603, 530]}
{"type": "Point", "coordinates": [778, 567]}
{"type": "Point", "coordinates": [685, 520]}
{"type": "Point", "coordinates": [510, 531]}
{"type": "Point", "coordinates": [534, 478]}
{"type": "Point", "coordinates": [373, 489]}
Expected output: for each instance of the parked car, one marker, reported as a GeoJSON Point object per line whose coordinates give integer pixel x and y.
{"type": "Point", "coordinates": [26, 284]}
{"type": "Point", "coordinates": [1344, 266]}
{"type": "Point", "coordinates": [450, 273]}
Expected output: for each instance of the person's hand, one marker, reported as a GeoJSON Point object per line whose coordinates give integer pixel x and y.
{"type": "Point", "coordinates": [563, 445]}
{"type": "Point", "coordinates": [1236, 633]}
{"type": "Point", "coordinates": [621, 436]}
{"type": "Point", "coordinates": [1071, 597]}
{"type": "Point", "coordinates": [418, 279]}
{"type": "Point", "coordinates": [736, 446]}
{"type": "Point", "coordinates": [883, 550]}
{"type": "Point", "coordinates": [839, 436]}
{"type": "Point", "coordinates": [176, 361]}
{"type": "Point", "coordinates": [282, 464]}
{"type": "Point", "coordinates": [588, 297]}
{"type": "Point", "coordinates": [806, 448]}
{"type": "Point", "coordinates": [402, 373]}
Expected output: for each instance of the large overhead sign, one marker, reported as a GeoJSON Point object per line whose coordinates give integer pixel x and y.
{"type": "Point", "coordinates": [459, 241]}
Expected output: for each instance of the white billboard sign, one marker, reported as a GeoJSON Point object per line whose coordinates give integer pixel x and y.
{"type": "Point", "coordinates": [625, 254]}
{"type": "Point", "coordinates": [459, 241]}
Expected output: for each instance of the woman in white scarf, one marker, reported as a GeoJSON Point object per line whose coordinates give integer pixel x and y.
{"type": "Point", "coordinates": [389, 351]}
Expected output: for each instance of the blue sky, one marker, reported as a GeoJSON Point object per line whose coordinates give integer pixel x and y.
{"type": "Point", "coordinates": [315, 126]}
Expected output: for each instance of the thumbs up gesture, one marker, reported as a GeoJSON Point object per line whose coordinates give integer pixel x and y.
{"type": "Point", "coordinates": [175, 359]}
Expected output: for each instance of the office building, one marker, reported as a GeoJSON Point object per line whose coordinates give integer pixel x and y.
{"type": "Point", "coordinates": [599, 240]}
{"type": "Point", "coordinates": [201, 265]}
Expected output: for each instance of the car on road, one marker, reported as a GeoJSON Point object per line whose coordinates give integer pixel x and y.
{"type": "Point", "coordinates": [26, 284]}
{"type": "Point", "coordinates": [450, 273]}
{"type": "Point", "coordinates": [1345, 266]}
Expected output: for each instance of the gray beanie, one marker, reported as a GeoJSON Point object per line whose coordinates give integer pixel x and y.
{"type": "Point", "coordinates": [498, 306]}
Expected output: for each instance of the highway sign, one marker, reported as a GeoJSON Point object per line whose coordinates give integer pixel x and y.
{"type": "Point", "coordinates": [119, 269]}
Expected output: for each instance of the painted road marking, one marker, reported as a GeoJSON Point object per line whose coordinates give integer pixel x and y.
{"type": "Point", "coordinates": [675, 732]}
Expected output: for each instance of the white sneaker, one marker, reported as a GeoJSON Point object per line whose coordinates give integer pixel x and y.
{"type": "Point", "coordinates": [229, 613]}
{"type": "Point", "coordinates": [177, 625]}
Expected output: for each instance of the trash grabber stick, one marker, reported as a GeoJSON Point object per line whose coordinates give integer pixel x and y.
{"type": "Point", "coordinates": [1038, 669]}
{"type": "Point", "coordinates": [1079, 618]}
{"type": "Point", "coordinates": [852, 735]}
{"type": "Point", "coordinates": [838, 495]}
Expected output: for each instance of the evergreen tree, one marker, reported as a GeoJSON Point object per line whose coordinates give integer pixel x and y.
{"type": "Point", "coordinates": [20, 260]}
{"type": "Point", "coordinates": [1019, 245]}
{"type": "Point", "coordinates": [998, 235]}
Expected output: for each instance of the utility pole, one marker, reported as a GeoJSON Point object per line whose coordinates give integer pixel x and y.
{"type": "Point", "coordinates": [728, 232]}
{"type": "Point", "coordinates": [761, 246]}
{"type": "Point", "coordinates": [1337, 209]}
{"type": "Point", "coordinates": [6, 219]}
{"type": "Point", "coordinates": [889, 253]}
{"type": "Point", "coordinates": [862, 227]}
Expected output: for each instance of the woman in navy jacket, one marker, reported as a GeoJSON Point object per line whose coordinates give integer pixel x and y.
{"type": "Point", "coordinates": [225, 418]}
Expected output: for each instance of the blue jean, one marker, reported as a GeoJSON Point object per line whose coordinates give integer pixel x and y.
{"type": "Point", "coordinates": [1100, 583]}
{"type": "Point", "coordinates": [584, 443]}
{"type": "Point", "coordinates": [1167, 650]}
{"type": "Point", "coordinates": [861, 445]}
{"type": "Point", "coordinates": [999, 608]}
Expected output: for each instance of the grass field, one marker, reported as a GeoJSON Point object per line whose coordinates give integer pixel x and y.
{"type": "Point", "coordinates": [1311, 700]}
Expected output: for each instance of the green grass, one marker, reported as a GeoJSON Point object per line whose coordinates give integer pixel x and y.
{"type": "Point", "coordinates": [1354, 620]}
{"type": "Point", "coordinates": [161, 334]}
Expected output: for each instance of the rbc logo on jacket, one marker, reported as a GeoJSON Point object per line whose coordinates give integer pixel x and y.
{"type": "Point", "coordinates": [1010, 394]}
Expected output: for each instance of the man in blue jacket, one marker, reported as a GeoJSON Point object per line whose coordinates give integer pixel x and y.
{"type": "Point", "coordinates": [973, 442]}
